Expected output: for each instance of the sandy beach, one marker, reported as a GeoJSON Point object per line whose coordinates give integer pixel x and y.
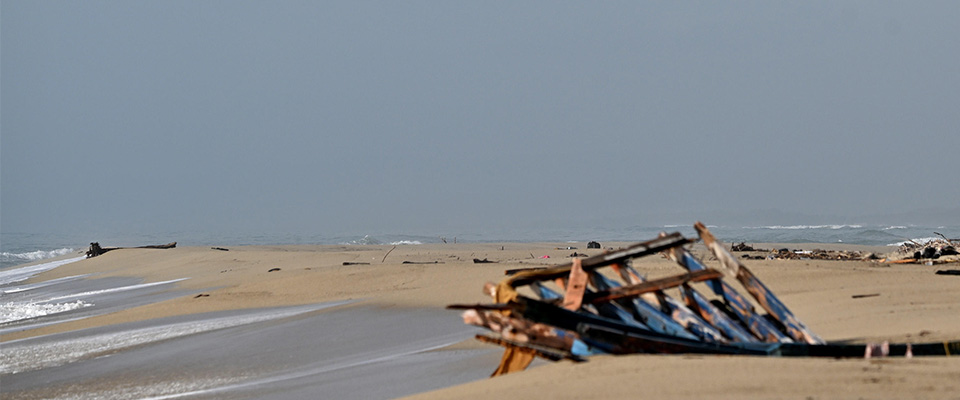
{"type": "Point", "coordinates": [387, 303]}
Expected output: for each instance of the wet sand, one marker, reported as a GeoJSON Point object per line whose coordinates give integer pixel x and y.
{"type": "Point", "coordinates": [391, 339]}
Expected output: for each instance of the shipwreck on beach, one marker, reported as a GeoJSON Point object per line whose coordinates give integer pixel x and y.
{"type": "Point", "coordinates": [578, 310]}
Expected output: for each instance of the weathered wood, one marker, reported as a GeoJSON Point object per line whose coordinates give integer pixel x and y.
{"type": "Point", "coordinates": [680, 313]}
{"type": "Point", "coordinates": [96, 250]}
{"type": "Point", "coordinates": [518, 270]}
{"type": "Point", "coordinates": [588, 264]}
{"type": "Point", "coordinates": [157, 246]}
{"type": "Point", "coordinates": [650, 316]}
{"type": "Point", "coordinates": [740, 306]}
{"type": "Point", "coordinates": [715, 317]}
{"type": "Point", "coordinates": [492, 307]}
{"type": "Point", "coordinates": [576, 287]}
{"type": "Point", "coordinates": [651, 286]}
{"type": "Point", "coordinates": [618, 342]}
{"type": "Point", "coordinates": [542, 352]}
{"type": "Point", "coordinates": [529, 333]}
{"type": "Point", "coordinates": [779, 311]}
{"type": "Point", "coordinates": [608, 310]}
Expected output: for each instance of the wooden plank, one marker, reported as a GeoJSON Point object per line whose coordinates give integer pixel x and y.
{"type": "Point", "coordinates": [629, 343]}
{"type": "Point", "coordinates": [651, 286]}
{"type": "Point", "coordinates": [649, 315]}
{"type": "Point", "coordinates": [741, 307]}
{"type": "Point", "coordinates": [716, 318]}
{"type": "Point", "coordinates": [605, 309]}
{"type": "Point", "coordinates": [588, 264]}
{"type": "Point", "coordinates": [764, 296]}
{"type": "Point", "coordinates": [573, 297]}
{"type": "Point", "coordinates": [680, 313]}
{"type": "Point", "coordinates": [520, 330]}
{"type": "Point", "coordinates": [546, 353]}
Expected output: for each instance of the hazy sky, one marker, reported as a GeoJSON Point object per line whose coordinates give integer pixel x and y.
{"type": "Point", "coordinates": [343, 117]}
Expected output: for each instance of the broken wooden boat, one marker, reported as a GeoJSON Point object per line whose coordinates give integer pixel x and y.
{"type": "Point", "coordinates": [591, 313]}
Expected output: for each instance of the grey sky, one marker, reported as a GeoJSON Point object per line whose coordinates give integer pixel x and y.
{"type": "Point", "coordinates": [347, 116]}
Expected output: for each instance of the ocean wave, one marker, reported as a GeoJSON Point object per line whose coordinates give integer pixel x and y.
{"type": "Point", "coordinates": [403, 242]}
{"type": "Point", "coordinates": [799, 227]}
{"type": "Point", "coordinates": [370, 240]}
{"type": "Point", "coordinates": [366, 240]}
{"type": "Point", "coordinates": [921, 241]}
{"type": "Point", "coordinates": [18, 311]}
{"type": "Point", "coordinates": [34, 255]}
{"type": "Point", "coordinates": [8, 276]}
{"type": "Point", "coordinates": [890, 228]}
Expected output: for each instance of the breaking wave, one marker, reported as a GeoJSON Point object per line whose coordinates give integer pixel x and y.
{"type": "Point", "coordinates": [370, 240]}
{"type": "Point", "coordinates": [921, 241]}
{"type": "Point", "coordinates": [403, 242]}
{"type": "Point", "coordinates": [33, 255]}
{"type": "Point", "coordinates": [799, 227]}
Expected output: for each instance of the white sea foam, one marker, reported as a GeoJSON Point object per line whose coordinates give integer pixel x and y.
{"type": "Point", "coordinates": [34, 255]}
{"type": "Point", "coordinates": [24, 355]}
{"type": "Point", "coordinates": [404, 242]}
{"type": "Point", "coordinates": [890, 228]}
{"type": "Point", "coordinates": [9, 276]}
{"type": "Point", "coordinates": [367, 239]}
{"type": "Point", "coordinates": [38, 285]}
{"type": "Point", "coordinates": [116, 289]}
{"type": "Point", "coordinates": [798, 227]}
{"type": "Point", "coordinates": [17, 311]}
{"type": "Point", "coordinates": [921, 241]}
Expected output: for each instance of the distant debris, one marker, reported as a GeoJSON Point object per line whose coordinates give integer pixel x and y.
{"type": "Point", "coordinates": [593, 245]}
{"type": "Point", "coordinates": [574, 311]}
{"type": "Point", "coordinates": [96, 250]}
{"type": "Point", "coordinates": [273, 269]}
{"type": "Point", "coordinates": [743, 247]}
{"type": "Point", "coordinates": [818, 254]}
{"type": "Point", "coordinates": [220, 248]}
{"type": "Point", "coordinates": [942, 250]}
{"type": "Point", "coordinates": [483, 261]}
{"type": "Point", "coordinates": [355, 263]}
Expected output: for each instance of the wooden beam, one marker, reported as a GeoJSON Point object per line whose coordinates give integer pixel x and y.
{"type": "Point", "coordinates": [549, 354]}
{"type": "Point", "coordinates": [588, 264]}
{"type": "Point", "coordinates": [779, 311]}
{"type": "Point", "coordinates": [651, 286]}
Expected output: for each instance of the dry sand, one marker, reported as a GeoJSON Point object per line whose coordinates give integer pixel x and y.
{"type": "Point", "coordinates": [912, 304]}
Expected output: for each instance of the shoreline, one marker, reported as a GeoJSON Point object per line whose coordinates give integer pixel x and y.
{"type": "Point", "coordinates": [911, 303]}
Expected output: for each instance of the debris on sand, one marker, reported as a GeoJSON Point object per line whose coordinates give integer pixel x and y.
{"type": "Point", "coordinates": [576, 311]}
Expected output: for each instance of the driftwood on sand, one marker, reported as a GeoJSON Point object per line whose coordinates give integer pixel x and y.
{"type": "Point", "coordinates": [96, 250]}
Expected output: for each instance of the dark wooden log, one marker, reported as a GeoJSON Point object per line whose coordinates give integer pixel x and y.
{"type": "Point", "coordinates": [96, 250]}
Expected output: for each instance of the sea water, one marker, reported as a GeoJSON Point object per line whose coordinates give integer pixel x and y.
{"type": "Point", "coordinates": [21, 248]}
{"type": "Point", "coordinates": [44, 252]}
